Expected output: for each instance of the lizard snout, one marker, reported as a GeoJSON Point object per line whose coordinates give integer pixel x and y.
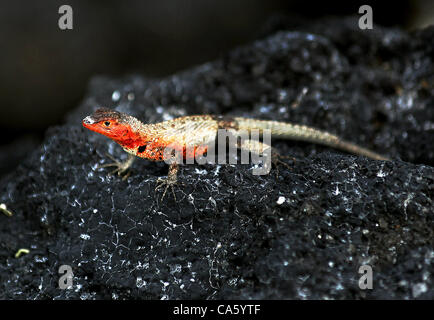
{"type": "Point", "coordinates": [88, 120]}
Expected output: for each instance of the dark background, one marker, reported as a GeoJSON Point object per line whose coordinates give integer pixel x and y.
{"type": "Point", "coordinates": [44, 71]}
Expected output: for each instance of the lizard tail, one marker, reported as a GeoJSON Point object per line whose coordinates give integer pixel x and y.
{"type": "Point", "coordinates": [291, 131]}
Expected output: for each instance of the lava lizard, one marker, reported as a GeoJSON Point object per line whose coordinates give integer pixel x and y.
{"type": "Point", "coordinates": [191, 136]}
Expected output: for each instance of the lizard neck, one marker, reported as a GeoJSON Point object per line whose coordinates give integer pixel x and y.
{"type": "Point", "coordinates": [145, 140]}
{"type": "Point", "coordinates": [135, 134]}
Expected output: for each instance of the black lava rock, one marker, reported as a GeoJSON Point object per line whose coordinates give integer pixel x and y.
{"type": "Point", "coordinates": [298, 233]}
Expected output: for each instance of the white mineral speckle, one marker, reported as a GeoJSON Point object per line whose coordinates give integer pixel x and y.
{"type": "Point", "coordinates": [419, 288]}
{"type": "Point", "coordinates": [140, 282]}
{"type": "Point", "coordinates": [85, 236]}
{"type": "Point", "coordinates": [280, 200]}
{"type": "Point", "coordinates": [381, 174]}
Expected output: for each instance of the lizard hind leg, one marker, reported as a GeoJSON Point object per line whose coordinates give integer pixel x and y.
{"type": "Point", "coordinates": [122, 168]}
{"type": "Point", "coordinates": [170, 181]}
{"type": "Point", "coordinates": [276, 159]}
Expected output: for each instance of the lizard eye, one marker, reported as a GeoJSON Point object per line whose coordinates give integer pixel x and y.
{"type": "Point", "coordinates": [107, 123]}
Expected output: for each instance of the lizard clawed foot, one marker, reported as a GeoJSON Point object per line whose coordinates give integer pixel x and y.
{"type": "Point", "coordinates": [166, 183]}
{"type": "Point", "coordinates": [122, 168]}
{"type": "Point", "coordinates": [170, 181]}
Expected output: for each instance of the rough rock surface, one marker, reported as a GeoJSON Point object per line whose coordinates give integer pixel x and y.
{"type": "Point", "coordinates": [299, 234]}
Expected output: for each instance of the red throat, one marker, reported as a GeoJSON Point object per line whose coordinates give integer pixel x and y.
{"type": "Point", "coordinates": [130, 140]}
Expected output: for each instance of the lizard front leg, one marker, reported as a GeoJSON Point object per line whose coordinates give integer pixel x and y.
{"type": "Point", "coordinates": [121, 167]}
{"type": "Point", "coordinates": [170, 181]}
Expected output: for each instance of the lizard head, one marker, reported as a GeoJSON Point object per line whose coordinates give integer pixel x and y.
{"type": "Point", "coordinates": [111, 123]}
